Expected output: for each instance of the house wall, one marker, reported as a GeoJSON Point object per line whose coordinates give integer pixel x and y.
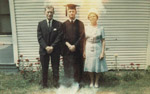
{"type": "Point", "coordinates": [126, 24]}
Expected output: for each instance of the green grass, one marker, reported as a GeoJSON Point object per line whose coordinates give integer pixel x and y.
{"type": "Point", "coordinates": [124, 82]}
{"type": "Point", "coordinates": [137, 82]}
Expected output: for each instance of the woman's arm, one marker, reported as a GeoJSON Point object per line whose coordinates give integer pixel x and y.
{"type": "Point", "coordinates": [103, 49]}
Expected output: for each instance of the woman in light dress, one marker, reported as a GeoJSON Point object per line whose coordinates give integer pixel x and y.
{"type": "Point", "coordinates": [94, 48]}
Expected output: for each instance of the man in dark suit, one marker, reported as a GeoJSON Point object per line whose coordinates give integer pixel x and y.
{"type": "Point", "coordinates": [49, 38]}
{"type": "Point", "coordinates": [73, 38]}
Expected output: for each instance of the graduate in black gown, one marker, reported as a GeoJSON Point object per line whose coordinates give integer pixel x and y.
{"type": "Point", "coordinates": [73, 38]}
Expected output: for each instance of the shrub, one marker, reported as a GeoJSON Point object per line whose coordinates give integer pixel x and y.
{"type": "Point", "coordinates": [110, 78]}
{"type": "Point", "coordinates": [128, 77]}
{"type": "Point", "coordinates": [148, 70]}
{"type": "Point", "coordinates": [132, 75]}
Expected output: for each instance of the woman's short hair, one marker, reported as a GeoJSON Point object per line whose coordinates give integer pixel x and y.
{"type": "Point", "coordinates": [93, 11]}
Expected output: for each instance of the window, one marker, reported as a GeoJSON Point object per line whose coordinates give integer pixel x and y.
{"type": "Point", "coordinates": [5, 26]}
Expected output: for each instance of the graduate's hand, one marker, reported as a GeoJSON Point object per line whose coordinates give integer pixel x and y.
{"type": "Point", "coordinates": [72, 48]}
{"type": "Point", "coordinates": [68, 44]}
{"type": "Point", "coordinates": [101, 56]}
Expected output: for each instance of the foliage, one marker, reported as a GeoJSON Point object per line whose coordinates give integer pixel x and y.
{"type": "Point", "coordinates": [148, 70]}
{"type": "Point", "coordinates": [123, 82]}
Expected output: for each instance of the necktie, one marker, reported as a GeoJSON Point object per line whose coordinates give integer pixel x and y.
{"type": "Point", "coordinates": [49, 23]}
{"type": "Point", "coordinates": [71, 21]}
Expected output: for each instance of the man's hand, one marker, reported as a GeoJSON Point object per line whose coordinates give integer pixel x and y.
{"type": "Point", "coordinates": [49, 49]}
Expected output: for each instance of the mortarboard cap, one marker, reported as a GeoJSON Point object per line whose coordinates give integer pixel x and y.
{"type": "Point", "coordinates": [70, 6]}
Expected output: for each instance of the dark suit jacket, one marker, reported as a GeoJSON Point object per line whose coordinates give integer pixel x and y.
{"type": "Point", "coordinates": [49, 36]}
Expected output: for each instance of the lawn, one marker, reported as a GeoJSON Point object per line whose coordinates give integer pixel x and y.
{"type": "Point", "coordinates": [112, 82]}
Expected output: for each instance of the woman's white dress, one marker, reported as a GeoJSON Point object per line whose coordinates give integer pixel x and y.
{"type": "Point", "coordinates": [94, 36]}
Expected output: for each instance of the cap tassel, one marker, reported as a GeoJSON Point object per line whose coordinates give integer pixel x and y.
{"type": "Point", "coordinates": [66, 11]}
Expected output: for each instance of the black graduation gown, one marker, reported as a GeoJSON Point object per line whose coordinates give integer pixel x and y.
{"type": "Point", "coordinates": [73, 61]}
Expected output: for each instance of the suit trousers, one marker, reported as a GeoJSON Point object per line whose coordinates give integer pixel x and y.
{"type": "Point", "coordinates": [55, 59]}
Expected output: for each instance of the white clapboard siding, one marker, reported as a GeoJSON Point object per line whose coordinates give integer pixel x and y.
{"type": "Point", "coordinates": [126, 24]}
